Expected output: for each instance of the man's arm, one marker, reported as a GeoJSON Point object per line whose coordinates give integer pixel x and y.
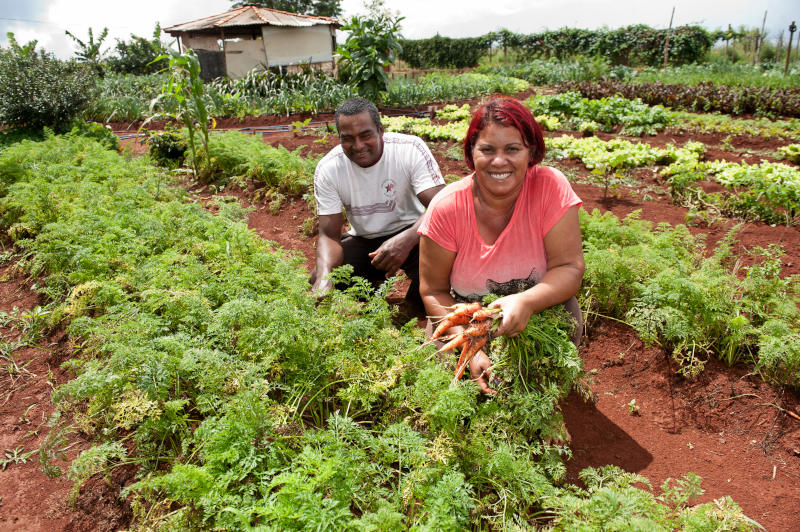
{"type": "Point", "coordinates": [329, 252]}
{"type": "Point", "coordinates": [394, 252]}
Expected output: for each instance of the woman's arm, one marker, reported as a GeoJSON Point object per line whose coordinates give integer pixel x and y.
{"type": "Point", "coordinates": [435, 265]}
{"type": "Point", "coordinates": [565, 267]}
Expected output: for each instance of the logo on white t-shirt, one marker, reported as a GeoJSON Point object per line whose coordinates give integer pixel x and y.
{"type": "Point", "coordinates": [388, 188]}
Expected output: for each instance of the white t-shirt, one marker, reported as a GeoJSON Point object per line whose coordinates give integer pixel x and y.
{"type": "Point", "coordinates": [382, 199]}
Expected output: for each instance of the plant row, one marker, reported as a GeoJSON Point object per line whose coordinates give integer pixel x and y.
{"type": "Point", "coordinates": [206, 364]}
{"type": "Point", "coordinates": [701, 97]}
{"type": "Point", "coordinates": [582, 68]}
{"type": "Point", "coordinates": [616, 154]}
{"type": "Point", "coordinates": [769, 192]}
{"type": "Point", "coordinates": [128, 98]}
{"type": "Point", "coordinates": [553, 71]}
{"type": "Point", "coordinates": [693, 304]}
{"type": "Point", "coordinates": [723, 73]}
{"type": "Point", "coordinates": [635, 117]}
{"type": "Point", "coordinates": [570, 111]}
{"type": "Point", "coordinates": [719, 123]}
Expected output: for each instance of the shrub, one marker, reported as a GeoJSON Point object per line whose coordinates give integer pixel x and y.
{"type": "Point", "coordinates": [167, 148]}
{"type": "Point", "coordinates": [38, 90]}
{"type": "Point", "coordinates": [443, 52]}
{"type": "Point", "coordinates": [96, 131]}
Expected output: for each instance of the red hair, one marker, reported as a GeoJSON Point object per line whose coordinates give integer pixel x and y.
{"type": "Point", "coordinates": [511, 113]}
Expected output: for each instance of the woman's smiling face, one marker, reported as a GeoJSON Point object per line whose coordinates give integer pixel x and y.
{"type": "Point", "coordinates": [501, 160]}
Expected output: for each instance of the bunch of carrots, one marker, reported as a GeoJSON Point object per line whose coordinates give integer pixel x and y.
{"type": "Point", "coordinates": [478, 322]}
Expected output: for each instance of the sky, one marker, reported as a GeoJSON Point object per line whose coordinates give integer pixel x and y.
{"type": "Point", "coordinates": [47, 20]}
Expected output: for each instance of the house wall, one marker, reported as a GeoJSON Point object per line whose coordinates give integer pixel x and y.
{"type": "Point", "coordinates": [243, 56]}
{"type": "Point", "coordinates": [290, 46]}
{"type": "Point", "coordinates": [200, 42]}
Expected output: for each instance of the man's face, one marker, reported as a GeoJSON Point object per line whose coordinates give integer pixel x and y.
{"type": "Point", "coordinates": [361, 139]}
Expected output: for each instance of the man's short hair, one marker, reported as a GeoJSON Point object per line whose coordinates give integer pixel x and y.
{"type": "Point", "coordinates": [354, 106]}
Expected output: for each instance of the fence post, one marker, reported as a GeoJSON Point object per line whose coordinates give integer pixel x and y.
{"type": "Point", "coordinates": [760, 38]}
{"type": "Point", "coordinates": [792, 29]}
{"type": "Point", "coordinates": [666, 44]}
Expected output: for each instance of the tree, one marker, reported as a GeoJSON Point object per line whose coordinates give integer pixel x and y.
{"type": "Point", "coordinates": [89, 52]}
{"type": "Point", "coordinates": [371, 45]}
{"type": "Point", "coordinates": [320, 8]}
{"type": "Point", "coordinates": [137, 55]}
{"type": "Point", "coordinates": [16, 48]}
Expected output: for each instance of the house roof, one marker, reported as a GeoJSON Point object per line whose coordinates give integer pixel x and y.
{"type": "Point", "coordinates": [250, 16]}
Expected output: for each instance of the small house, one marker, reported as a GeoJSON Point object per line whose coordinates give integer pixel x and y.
{"type": "Point", "coordinates": [237, 41]}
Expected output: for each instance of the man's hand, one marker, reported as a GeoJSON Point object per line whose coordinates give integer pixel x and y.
{"type": "Point", "coordinates": [391, 255]}
{"type": "Point", "coordinates": [329, 253]}
{"type": "Point", "coordinates": [320, 288]}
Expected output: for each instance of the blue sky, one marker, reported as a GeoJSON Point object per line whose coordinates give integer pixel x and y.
{"type": "Point", "coordinates": [46, 20]}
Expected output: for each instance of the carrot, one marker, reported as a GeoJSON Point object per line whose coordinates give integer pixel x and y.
{"type": "Point", "coordinates": [484, 314]}
{"type": "Point", "coordinates": [447, 322]}
{"type": "Point", "coordinates": [467, 353]}
{"type": "Point", "coordinates": [461, 314]}
{"type": "Point", "coordinates": [459, 340]}
{"type": "Point", "coordinates": [480, 328]}
{"type": "Point", "coordinates": [460, 309]}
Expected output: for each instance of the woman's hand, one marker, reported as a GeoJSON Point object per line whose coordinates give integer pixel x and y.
{"type": "Point", "coordinates": [517, 312]}
{"type": "Point", "coordinates": [480, 372]}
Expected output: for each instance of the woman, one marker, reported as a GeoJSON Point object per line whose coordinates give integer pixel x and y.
{"type": "Point", "coordinates": [510, 228]}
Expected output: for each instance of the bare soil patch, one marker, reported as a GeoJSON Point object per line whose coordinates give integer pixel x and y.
{"type": "Point", "coordinates": [29, 499]}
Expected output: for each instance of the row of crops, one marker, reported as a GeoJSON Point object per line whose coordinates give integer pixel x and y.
{"type": "Point", "coordinates": [206, 363]}
{"type": "Point", "coordinates": [128, 97]}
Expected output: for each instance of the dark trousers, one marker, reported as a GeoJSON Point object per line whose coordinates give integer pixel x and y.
{"type": "Point", "coordinates": [356, 252]}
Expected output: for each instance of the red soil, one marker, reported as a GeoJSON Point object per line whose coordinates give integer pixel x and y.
{"type": "Point", "coordinates": [727, 426]}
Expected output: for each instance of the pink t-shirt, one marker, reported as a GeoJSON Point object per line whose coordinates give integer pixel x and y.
{"type": "Point", "coordinates": [517, 260]}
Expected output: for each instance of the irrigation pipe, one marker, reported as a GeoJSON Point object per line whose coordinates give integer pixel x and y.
{"type": "Point", "coordinates": [280, 128]}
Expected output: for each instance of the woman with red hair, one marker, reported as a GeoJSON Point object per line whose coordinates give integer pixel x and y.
{"type": "Point", "coordinates": [510, 228]}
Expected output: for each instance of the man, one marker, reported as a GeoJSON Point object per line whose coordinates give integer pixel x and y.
{"type": "Point", "coordinates": [383, 181]}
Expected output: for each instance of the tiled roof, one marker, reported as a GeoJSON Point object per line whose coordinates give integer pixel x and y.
{"type": "Point", "coordinates": [251, 16]}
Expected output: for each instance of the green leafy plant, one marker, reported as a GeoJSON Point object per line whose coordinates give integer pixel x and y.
{"type": "Point", "coordinates": [635, 117]}
{"type": "Point", "coordinates": [99, 132]}
{"type": "Point", "coordinates": [38, 90]}
{"type": "Point", "coordinates": [138, 55]}
{"type": "Point", "coordinates": [90, 51]}
{"type": "Point", "coordinates": [185, 97]}
{"type": "Point", "coordinates": [167, 148]}
{"type": "Point", "coordinates": [791, 153]}
{"type": "Point", "coordinates": [371, 45]}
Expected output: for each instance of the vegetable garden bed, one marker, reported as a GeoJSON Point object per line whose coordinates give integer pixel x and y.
{"type": "Point", "coordinates": [727, 426]}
